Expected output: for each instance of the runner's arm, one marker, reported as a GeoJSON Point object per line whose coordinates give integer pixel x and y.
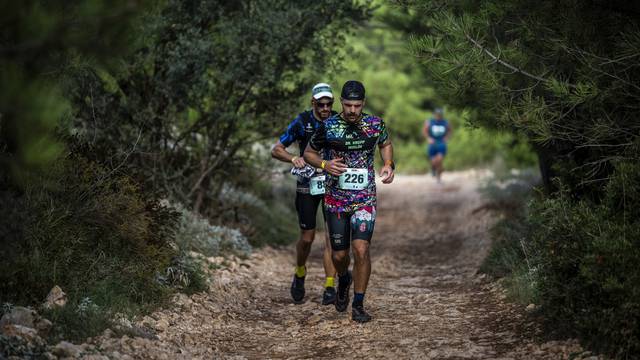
{"type": "Point", "coordinates": [312, 157]}
{"type": "Point", "coordinates": [425, 132]}
{"type": "Point", "coordinates": [280, 152]}
{"type": "Point", "coordinates": [290, 135]}
{"type": "Point", "coordinates": [449, 130]}
{"type": "Point", "coordinates": [386, 152]}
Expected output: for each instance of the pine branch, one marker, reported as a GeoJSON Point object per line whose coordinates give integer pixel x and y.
{"type": "Point", "coordinates": [506, 64]}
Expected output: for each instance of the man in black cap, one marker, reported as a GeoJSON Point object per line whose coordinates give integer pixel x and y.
{"type": "Point", "coordinates": [349, 140]}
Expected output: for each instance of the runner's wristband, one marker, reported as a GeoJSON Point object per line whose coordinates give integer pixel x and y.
{"type": "Point", "coordinates": [390, 163]}
{"type": "Point", "coordinates": [322, 164]}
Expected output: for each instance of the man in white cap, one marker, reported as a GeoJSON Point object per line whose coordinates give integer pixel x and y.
{"type": "Point", "coordinates": [309, 189]}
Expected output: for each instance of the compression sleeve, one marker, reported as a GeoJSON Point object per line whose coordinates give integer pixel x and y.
{"type": "Point", "coordinates": [319, 138]}
{"type": "Point", "coordinates": [292, 133]}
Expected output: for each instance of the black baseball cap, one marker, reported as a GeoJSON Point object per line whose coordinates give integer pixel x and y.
{"type": "Point", "coordinates": [352, 90]}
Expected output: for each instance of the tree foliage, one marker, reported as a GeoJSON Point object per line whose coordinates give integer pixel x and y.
{"type": "Point", "coordinates": [565, 74]}
{"type": "Point", "coordinates": [398, 91]}
{"type": "Point", "coordinates": [107, 107]}
{"type": "Point", "coordinates": [38, 42]}
{"type": "Point", "coordinates": [211, 79]}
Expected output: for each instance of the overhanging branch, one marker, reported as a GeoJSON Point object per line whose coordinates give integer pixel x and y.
{"type": "Point", "coordinates": [506, 64]}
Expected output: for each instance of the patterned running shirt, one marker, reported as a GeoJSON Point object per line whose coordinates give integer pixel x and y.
{"type": "Point", "coordinates": [300, 130]}
{"type": "Point", "coordinates": [356, 145]}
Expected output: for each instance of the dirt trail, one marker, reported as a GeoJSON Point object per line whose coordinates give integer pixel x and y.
{"type": "Point", "coordinates": [426, 298]}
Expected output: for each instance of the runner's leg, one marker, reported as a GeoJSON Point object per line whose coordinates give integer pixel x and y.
{"type": "Point", "coordinates": [361, 266]}
{"type": "Point", "coordinates": [431, 153]}
{"type": "Point", "coordinates": [327, 261]}
{"type": "Point", "coordinates": [340, 237]}
{"type": "Point", "coordinates": [329, 294]}
{"type": "Point", "coordinates": [306, 207]}
{"type": "Point", "coordinates": [329, 269]}
{"type": "Point", "coordinates": [362, 224]}
{"type": "Point", "coordinates": [437, 165]}
{"type": "Point", "coordinates": [303, 246]}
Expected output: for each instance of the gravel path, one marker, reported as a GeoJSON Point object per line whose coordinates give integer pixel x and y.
{"type": "Point", "coordinates": [425, 295]}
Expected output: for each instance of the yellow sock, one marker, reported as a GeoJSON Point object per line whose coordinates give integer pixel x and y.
{"type": "Point", "coordinates": [301, 271]}
{"type": "Point", "coordinates": [329, 282]}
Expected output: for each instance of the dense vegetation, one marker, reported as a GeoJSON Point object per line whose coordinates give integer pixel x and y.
{"type": "Point", "coordinates": [129, 131]}
{"type": "Point", "coordinates": [564, 74]}
{"type": "Point", "coordinates": [398, 91]}
{"type": "Point", "coordinates": [128, 128]}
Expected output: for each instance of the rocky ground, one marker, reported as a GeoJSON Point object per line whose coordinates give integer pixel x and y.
{"type": "Point", "coordinates": [426, 297]}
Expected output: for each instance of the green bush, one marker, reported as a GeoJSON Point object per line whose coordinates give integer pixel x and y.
{"type": "Point", "coordinates": [195, 233]}
{"type": "Point", "coordinates": [264, 213]}
{"type": "Point", "coordinates": [17, 347]}
{"type": "Point", "coordinates": [78, 319]}
{"type": "Point", "coordinates": [589, 279]}
{"type": "Point", "coordinates": [578, 260]}
{"type": "Point", "coordinates": [90, 230]}
{"type": "Point", "coordinates": [186, 274]}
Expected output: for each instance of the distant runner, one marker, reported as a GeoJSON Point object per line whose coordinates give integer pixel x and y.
{"type": "Point", "coordinates": [309, 190]}
{"type": "Point", "coordinates": [437, 131]}
{"type": "Point", "coordinates": [351, 138]}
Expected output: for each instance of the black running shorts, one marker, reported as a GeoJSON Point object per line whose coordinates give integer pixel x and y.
{"type": "Point", "coordinates": [307, 208]}
{"type": "Point", "coordinates": [345, 226]}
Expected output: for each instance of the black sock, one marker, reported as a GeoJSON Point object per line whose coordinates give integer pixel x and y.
{"type": "Point", "coordinates": [344, 279]}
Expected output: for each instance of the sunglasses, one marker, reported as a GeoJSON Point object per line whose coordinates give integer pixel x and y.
{"type": "Point", "coordinates": [324, 105]}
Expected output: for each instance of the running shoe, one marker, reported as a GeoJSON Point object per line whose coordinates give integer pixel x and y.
{"type": "Point", "coordinates": [329, 296]}
{"type": "Point", "coordinates": [358, 314]}
{"type": "Point", "coordinates": [342, 298]}
{"type": "Point", "coordinates": [297, 289]}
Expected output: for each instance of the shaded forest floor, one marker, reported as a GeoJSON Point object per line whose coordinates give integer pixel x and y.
{"type": "Point", "coordinates": [425, 295]}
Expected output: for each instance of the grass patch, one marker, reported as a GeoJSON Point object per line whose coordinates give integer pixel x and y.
{"type": "Point", "coordinates": [509, 258]}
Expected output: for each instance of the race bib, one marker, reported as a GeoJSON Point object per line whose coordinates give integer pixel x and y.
{"type": "Point", "coordinates": [354, 179]}
{"type": "Point", "coordinates": [316, 185]}
{"type": "Point", "coordinates": [438, 130]}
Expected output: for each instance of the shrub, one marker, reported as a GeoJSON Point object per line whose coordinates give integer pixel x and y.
{"type": "Point", "coordinates": [589, 280]}
{"type": "Point", "coordinates": [185, 274]}
{"type": "Point", "coordinates": [19, 348]}
{"type": "Point", "coordinates": [265, 215]}
{"type": "Point", "coordinates": [195, 233]}
{"type": "Point", "coordinates": [78, 319]}
{"type": "Point", "coordinates": [578, 260]}
{"type": "Point", "coordinates": [90, 230]}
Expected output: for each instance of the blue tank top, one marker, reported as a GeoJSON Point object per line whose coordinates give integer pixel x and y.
{"type": "Point", "coordinates": [438, 129]}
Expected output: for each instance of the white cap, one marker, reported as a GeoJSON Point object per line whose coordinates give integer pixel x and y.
{"type": "Point", "coordinates": [321, 90]}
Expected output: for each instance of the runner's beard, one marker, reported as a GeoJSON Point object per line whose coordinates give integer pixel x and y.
{"type": "Point", "coordinates": [324, 114]}
{"type": "Point", "coordinates": [352, 117]}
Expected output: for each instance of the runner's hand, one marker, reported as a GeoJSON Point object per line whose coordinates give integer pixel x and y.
{"type": "Point", "coordinates": [335, 167]}
{"type": "Point", "coordinates": [387, 174]}
{"type": "Point", "coordinates": [298, 162]}
{"type": "Point", "coordinates": [431, 141]}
